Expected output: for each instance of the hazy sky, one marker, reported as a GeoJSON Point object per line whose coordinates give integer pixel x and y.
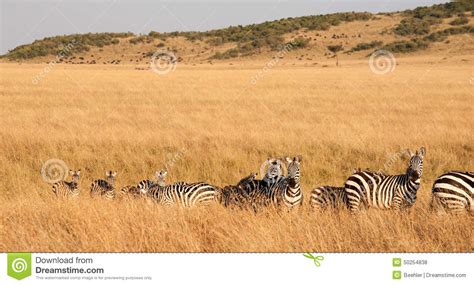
{"type": "Point", "coordinates": [25, 21]}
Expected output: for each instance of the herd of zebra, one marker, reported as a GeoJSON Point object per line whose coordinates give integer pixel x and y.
{"type": "Point", "coordinates": [451, 192]}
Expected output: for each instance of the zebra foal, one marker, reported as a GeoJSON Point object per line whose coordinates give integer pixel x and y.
{"type": "Point", "coordinates": [66, 189]}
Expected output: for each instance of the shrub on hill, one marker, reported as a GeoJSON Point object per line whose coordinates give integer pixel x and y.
{"type": "Point", "coordinates": [65, 45]}
{"type": "Point", "coordinates": [366, 46]}
{"type": "Point", "coordinates": [459, 21]}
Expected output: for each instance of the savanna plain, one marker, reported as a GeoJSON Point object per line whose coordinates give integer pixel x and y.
{"type": "Point", "coordinates": [217, 123]}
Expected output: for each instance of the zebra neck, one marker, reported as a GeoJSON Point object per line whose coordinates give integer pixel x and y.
{"type": "Point", "coordinates": [412, 185]}
{"type": "Point", "coordinates": [294, 185]}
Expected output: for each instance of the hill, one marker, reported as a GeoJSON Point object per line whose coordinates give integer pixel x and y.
{"type": "Point", "coordinates": [306, 39]}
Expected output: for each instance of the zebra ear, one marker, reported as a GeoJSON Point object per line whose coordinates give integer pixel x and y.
{"type": "Point", "coordinates": [71, 172]}
{"type": "Point", "coordinates": [299, 158]}
{"type": "Point", "coordinates": [107, 173]}
{"type": "Point", "coordinates": [78, 171]}
{"type": "Point", "coordinates": [422, 151]}
{"type": "Point", "coordinates": [113, 173]}
{"type": "Point", "coordinates": [288, 159]}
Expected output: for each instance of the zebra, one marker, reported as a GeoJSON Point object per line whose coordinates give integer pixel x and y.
{"type": "Point", "coordinates": [235, 195]}
{"type": "Point", "coordinates": [274, 171]}
{"type": "Point", "coordinates": [144, 185]}
{"type": "Point", "coordinates": [184, 194]}
{"type": "Point", "coordinates": [324, 197]}
{"type": "Point", "coordinates": [453, 192]}
{"type": "Point", "coordinates": [285, 191]}
{"type": "Point", "coordinates": [378, 190]}
{"type": "Point", "coordinates": [104, 188]}
{"type": "Point", "coordinates": [68, 189]}
{"type": "Point", "coordinates": [131, 191]}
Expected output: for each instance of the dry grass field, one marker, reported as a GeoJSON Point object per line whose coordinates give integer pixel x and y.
{"type": "Point", "coordinates": [211, 123]}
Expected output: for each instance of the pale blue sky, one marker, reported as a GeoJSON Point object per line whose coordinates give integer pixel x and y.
{"type": "Point", "coordinates": [25, 21]}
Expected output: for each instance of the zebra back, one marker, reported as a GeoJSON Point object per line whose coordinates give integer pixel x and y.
{"type": "Point", "coordinates": [102, 188]}
{"type": "Point", "coordinates": [324, 197]}
{"type": "Point", "coordinates": [131, 191]}
{"type": "Point", "coordinates": [68, 189]}
{"type": "Point", "coordinates": [452, 192]}
{"type": "Point", "coordinates": [184, 195]}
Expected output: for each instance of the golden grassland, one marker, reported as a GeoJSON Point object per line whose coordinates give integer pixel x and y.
{"type": "Point", "coordinates": [212, 124]}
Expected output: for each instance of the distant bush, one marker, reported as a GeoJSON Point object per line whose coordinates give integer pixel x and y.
{"type": "Point", "coordinates": [459, 21]}
{"type": "Point", "coordinates": [412, 26]}
{"type": "Point", "coordinates": [442, 35]}
{"type": "Point", "coordinates": [406, 46]}
{"type": "Point", "coordinates": [65, 45]}
{"type": "Point", "coordinates": [420, 19]}
{"type": "Point", "coordinates": [141, 39]}
{"type": "Point", "coordinates": [299, 43]}
{"type": "Point", "coordinates": [445, 10]}
{"type": "Point", "coordinates": [418, 44]}
{"type": "Point", "coordinates": [366, 46]}
{"type": "Point", "coordinates": [231, 53]}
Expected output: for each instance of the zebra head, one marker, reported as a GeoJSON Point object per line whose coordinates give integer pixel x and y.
{"type": "Point", "coordinates": [76, 175]}
{"type": "Point", "coordinates": [110, 175]}
{"type": "Point", "coordinates": [274, 168]}
{"type": "Point", "coordinates": [415, 168]}
{"type": "Point", "coordinates": [161, 177]}
{"type": "Point", "coordinates": [294, 167]}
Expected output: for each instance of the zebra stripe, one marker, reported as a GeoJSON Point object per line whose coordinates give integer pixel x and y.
{"type": "Point", "coordinates": [274, 171]}
{"type": "Point", "coordinates": [66, 189]}
{"type": "Point", "coordinates": [184, 195]}
{"type": "Point", "coordinates": [324, 197]}
{"type": "Point", "coordinates": [236, 195]}
{"type": "Point", "coordinates": [130, 190]}
{"type": "Point", "coordinates": [102, 188]}
{"type": "Point", "coordinates": [453, 192]}
{"type": "Point", "coordinates": [145, 185]}
{"type": "Point", "coordinates": [382, 191]}
{"type": "Point", "coordinates": [285, 191]}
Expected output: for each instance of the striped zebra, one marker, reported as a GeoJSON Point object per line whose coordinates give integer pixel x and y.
{"type": "Point", "coordinates": [274, 171]}
{"type": "Point", "coordinates": [130, 191]}
{"type": "Point", "coordinates": [324, 197]}
{"type": "Point", "coordinates": [334, 197]}
{"type": "Point", "coordinates": [104, 188]}
{"type": "Point", "coordinates": [378, 190]}
{"type": "Point", "coordinates": [285, 191]}
{"type": "Point", "coordinates": [184, 194]}
{"type": "Point", "coordinates": [68, 189]}
{"type": "Point", "coordinates": [145, 185]}
{"type": "Point", "coordinates": [235, 195]}
{"type": "Point", "coordinates": [453, 192]}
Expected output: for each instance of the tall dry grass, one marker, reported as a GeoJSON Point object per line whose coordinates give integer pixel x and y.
{"type": "Point", "coordinates": [212, 124]}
